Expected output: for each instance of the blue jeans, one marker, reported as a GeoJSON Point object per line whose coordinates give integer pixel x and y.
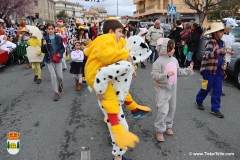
{"type": "Point", "coordinates": [26, 59]}
{"type": "Point", "coordinates": [189, 56]}
{"type": "Point", "coordinates": [154, 53]}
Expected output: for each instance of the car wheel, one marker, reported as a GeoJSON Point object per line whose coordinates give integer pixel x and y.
{"type": "Point", "coordinates": [237, 77]}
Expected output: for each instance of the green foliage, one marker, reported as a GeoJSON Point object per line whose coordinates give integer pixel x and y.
{"type": "Point", "coordinates": [211, 8]}
{"type": "Point", "coordinates": [62, 15]}
{"type": "Point", "coordinates": [215, 13]}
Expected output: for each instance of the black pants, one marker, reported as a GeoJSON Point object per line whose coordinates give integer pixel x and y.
{"type": "Point", "coordinates": [182, 56]}
{"type": "Point", "coordinates": [84, 63]}
{"type": "Point", "coordinates": [177, 52]}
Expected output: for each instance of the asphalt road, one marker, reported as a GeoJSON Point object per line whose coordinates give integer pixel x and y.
{"type": "Point", "coordinates": [73, 127]}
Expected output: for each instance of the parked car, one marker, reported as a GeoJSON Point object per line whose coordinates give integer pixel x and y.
{"type": "Point", "coordinates": [234, 66]}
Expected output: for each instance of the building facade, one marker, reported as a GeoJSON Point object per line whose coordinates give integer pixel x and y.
{"type": "Point", "coordinates": [73, 9]}
{"type": "Point", "coordinates": [44, 10]}
{"type": "Point", "coordinates": [157, 9]}
{"type": "Point", "coordinates": [149, 10]}
{"type": "Point", "coordinates": [95, 15]}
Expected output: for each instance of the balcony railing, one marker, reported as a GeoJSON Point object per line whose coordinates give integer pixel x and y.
{"type": "Point", "coordinates": [160, 8]}
{"type": "Point", "coordinates": [150, 7]}
{"type": "Point", "coordinates": [136, 1]}
{"type": "Point", "coordinates": [142, 10]}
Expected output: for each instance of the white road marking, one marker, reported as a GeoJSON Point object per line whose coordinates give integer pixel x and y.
{"type": "Point", "coordinates": [85, 155]}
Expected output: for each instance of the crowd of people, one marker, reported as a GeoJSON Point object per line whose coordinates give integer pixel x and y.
{"type": "Point", "coordinates": [106, 63]}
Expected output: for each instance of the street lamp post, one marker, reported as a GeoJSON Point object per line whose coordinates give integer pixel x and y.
{"type": "Point", "coordinates": [117, 8]}
{"type": "Point", "coordinates": [171, 14]}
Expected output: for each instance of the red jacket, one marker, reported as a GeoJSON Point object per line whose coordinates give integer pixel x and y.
{"type": "Point", "coordinates": [185, 34]}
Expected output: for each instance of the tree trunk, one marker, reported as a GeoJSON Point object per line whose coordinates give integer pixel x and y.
{"type": "Point", "coordinates": [201, 17]}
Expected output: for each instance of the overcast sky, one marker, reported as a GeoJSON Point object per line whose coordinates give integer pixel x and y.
{"type": "Point", "coordinates": [125, 7]}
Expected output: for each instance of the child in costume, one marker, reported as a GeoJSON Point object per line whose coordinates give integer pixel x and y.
{"type": "Point", "coordinates": [77, 57]}
{"type": "Point", "coordinates": [34, 53]}
{"type": "Point", "coordinates": [136, 109]}
{"type": "Point", "coordinates": [22, 45]}
{"type": "Point", "coordinates": [82, 36]}
{"type": "Point", "coordinates": [64, 34]}
{"type": "Point", "coordinates": [109, 74]}
{"type": "Point", "coordinates": [213, 68]}
{"type": "Point", "coordinates": [164, 73]}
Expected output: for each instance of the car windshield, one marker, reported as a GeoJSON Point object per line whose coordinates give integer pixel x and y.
{"type": "Point", "coordinates": [236, 33]}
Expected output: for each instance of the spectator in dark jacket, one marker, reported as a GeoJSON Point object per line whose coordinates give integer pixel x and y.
{"type": "Point", "coordinates": [176, 37]}
{"type": "Point", "coordinates": [193, 42]}
{"type": "Point", "coordinates": [173, 26]}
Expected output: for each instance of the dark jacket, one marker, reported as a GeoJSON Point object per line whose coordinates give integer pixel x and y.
{"type": "Point", "coordinates": [170, 36]}
{"type": "Point", "coordinates": [48, 46]}
{"type": "Point", "coordinates": [175, 34]}
{"type": "Point", "coordinates": [194, 39]}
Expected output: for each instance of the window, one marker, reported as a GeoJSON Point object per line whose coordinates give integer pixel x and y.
{"type": "Point", "coordinates": [35, 3]}
{"type": "Point", "coordinates": [37, 15]}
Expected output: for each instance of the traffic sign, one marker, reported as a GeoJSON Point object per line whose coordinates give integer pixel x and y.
{"type": "Point", "coordinates": [172, 10]}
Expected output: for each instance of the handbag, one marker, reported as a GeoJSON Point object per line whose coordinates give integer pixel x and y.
{"type": "Point", "coordinates": [185, 50]}
{"type": "Point", "coordinates": [67, 57]}
{"type": "Point", "coordinates": [55, 58]}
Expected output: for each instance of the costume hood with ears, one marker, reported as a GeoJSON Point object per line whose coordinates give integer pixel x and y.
{"type": "Point", "coordinates": [142, 31]}
{"type": "Point", "coordinates": [162, 47]}
{"type": "Point", "coordinates": [138, 49]}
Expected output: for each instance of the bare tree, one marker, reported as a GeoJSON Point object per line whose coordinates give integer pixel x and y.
{"type": "Point", "coordinates": [204, 7]}
{"type": "Point", "coordinates": [19, 7]}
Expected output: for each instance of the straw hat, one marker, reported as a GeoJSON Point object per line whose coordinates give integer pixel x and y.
{"type": "Point", "coordinates": [214, 27]}
{"type": "Point", "coordinates": [24, 29]}
{"type": "Point", "coordinates": [82, 27]}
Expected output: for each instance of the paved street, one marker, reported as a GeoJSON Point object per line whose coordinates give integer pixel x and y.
{"type": "Point", "coordinates": [74, 127]}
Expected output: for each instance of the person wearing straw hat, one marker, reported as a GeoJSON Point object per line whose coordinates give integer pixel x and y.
{"type": "Point", "coordinates": [22, 45]}
{"type": "Point", "coordinates": [213, 68]}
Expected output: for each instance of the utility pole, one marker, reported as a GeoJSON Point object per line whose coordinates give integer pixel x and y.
{"type": "Point", "coordinates": [171, 14]}
{"type": "Point", "coordinates": [117, 8]}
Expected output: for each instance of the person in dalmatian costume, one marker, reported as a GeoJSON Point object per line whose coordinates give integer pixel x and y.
{"type": "Point", "coordinates": [12, 32]}
{"type": "Point", "coordinates": [136, 109]}
{"type": "Point", "coordinates": [111, 77]}
{"type": "Point", "coordinates": [63, 32]}
{"type": "Point", "coordinates": [71, 31]}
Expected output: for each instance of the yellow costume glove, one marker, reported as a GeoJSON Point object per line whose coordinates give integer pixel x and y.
{"type": "Point", "coordinates": [135, 67]}
{"type": "Point", "coordinates": [143, 108]}
{"type": "Point", "coordinates": [123, 137]}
